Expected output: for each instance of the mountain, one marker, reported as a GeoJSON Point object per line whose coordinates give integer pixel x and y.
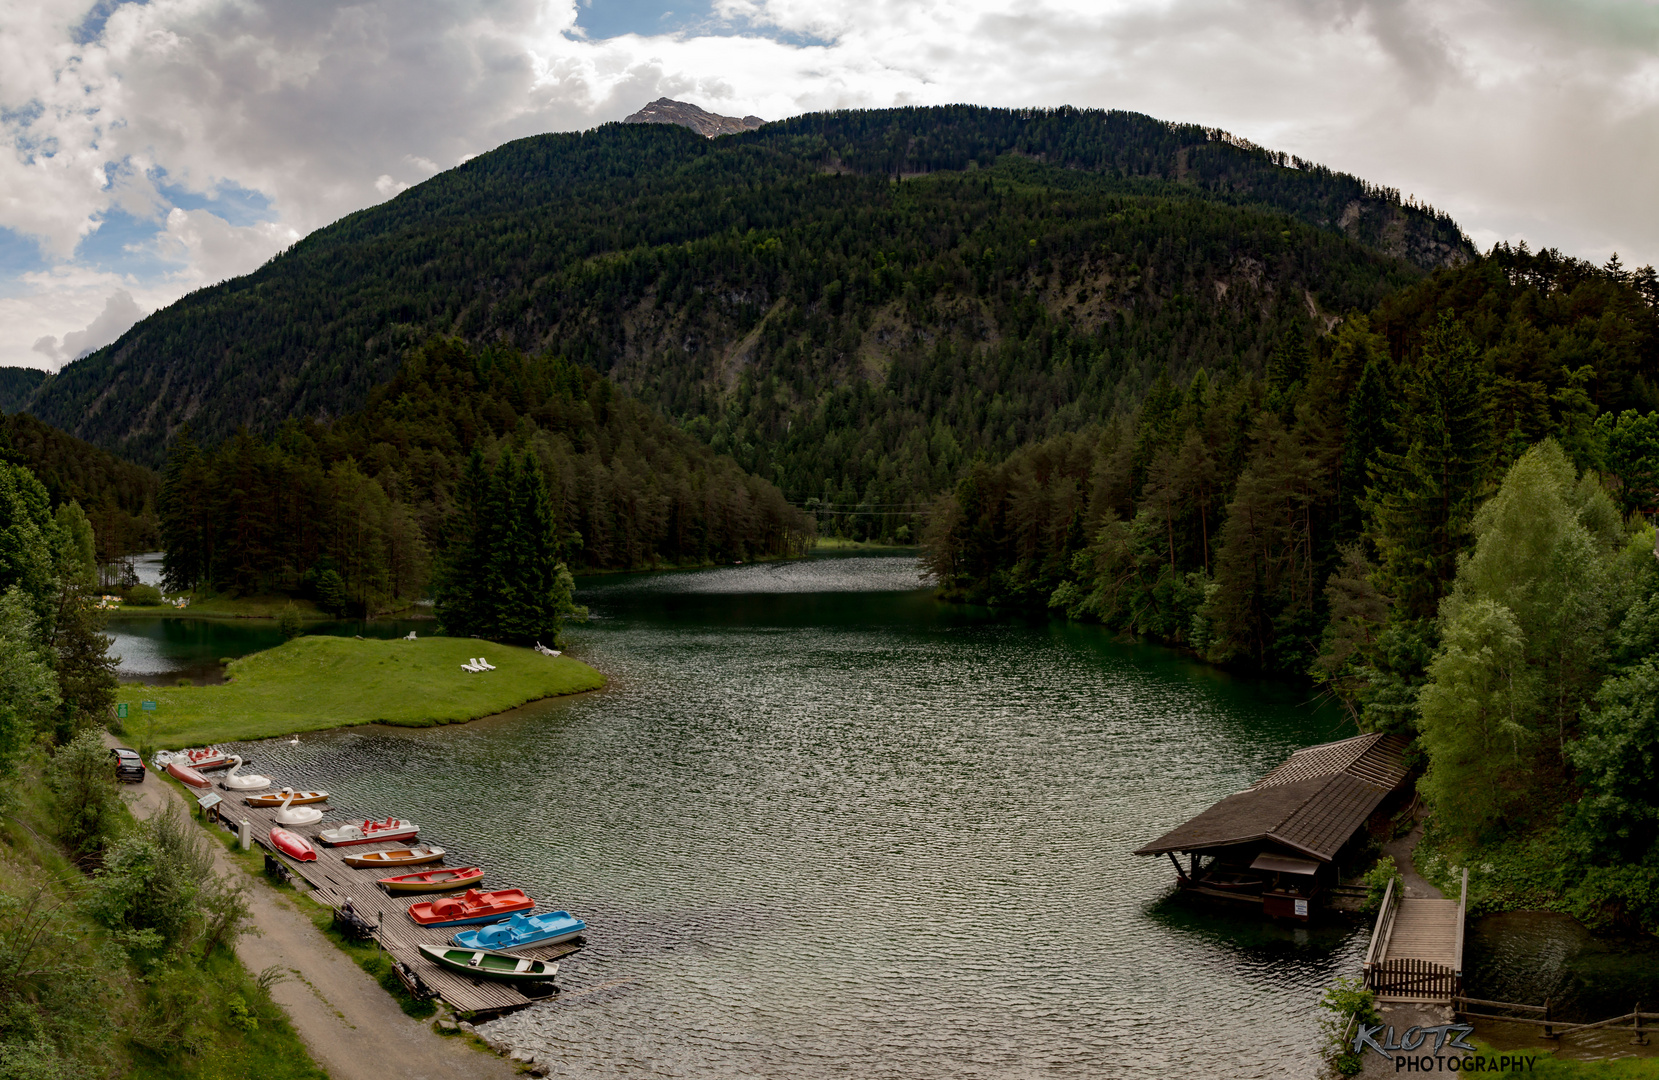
{"type": "Point", "coordinates": [685, 114]}
{"type": "Point", "coordinates": [17, 386]}
{"type": "Point", "coordinates": [853, 304]}
{"type": "Point", "coordinates": [119, 497]}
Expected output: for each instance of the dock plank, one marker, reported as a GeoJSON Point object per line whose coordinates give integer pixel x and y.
{"type": "Point", "coordinates": [332, 882]}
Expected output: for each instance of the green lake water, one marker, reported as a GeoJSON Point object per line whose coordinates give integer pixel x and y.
{"type": "Point", "coordinates": [821, 825]}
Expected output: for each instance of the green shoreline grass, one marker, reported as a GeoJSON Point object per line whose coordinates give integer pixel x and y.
{"type": "Point", "coordinates": [312, 683]}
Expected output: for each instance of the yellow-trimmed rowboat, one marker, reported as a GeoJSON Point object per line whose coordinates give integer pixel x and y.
{"type": "Point", "coordinates": [464, 877]}
{"type": "Point", "coordinates": [277, 798]}
{"type": "Point", "coordinates": [426, 853]}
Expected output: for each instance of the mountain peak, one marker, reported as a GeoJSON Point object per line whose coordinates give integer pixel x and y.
{"type": "Point", "coordinates": [685, 114]}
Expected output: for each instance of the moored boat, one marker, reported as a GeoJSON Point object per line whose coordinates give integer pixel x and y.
{"type": "Point", "coordinates": [369, 832]}
{"type": "Point", "coordinates": [277, 798]}
{"type": "Point", "coordinates": [548, 928]}
{"type": "Point", "coordinates": [184, 774]}
{"type": "Point", "coordinates": [204, 758]}
{"type": "Point", "coordinates": [464, 877]}
{"type": "Point", "coordinates": [414, 856]}
{"type": "Point", "coordinates": [237, 780]}
{"type": "Point", "coordinates": [489, 964]}
{"type": "Point", "coordinates": [471, 906]}
{"type": "Point", "coordinates": [289, 814]}
{"type": "Point", "coordinates": [293, 845]}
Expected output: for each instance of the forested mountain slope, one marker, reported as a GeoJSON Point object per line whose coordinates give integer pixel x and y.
{"type": "Point", "coordinates": [362, 513]}
{"type": "Point", "coordinates": [119, 498]}
{"type": "Point", "coordinates": [795, 277]}
{"type": "Point", "coordinates": [18, 385]}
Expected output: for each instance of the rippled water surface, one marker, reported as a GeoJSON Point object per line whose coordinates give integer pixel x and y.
{"type": "Point", "coordinates": [821, 825]}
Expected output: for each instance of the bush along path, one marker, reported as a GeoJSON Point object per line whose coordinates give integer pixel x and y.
{"type": "Point", "coordinates": [353, 1028]}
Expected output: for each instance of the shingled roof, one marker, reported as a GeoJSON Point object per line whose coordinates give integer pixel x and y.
{"type": "Point", "coordinates": [1312, 803]}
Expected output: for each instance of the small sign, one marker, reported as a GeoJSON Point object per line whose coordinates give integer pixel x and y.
{"type": "Point", "coordinates": [1302, 908]}
{"type": "Point", "coordinates": [209, 801]}
{"type": "Point", "coordinates": [147, 706]}
{"type": "Point", "coordinates": [121, 710]}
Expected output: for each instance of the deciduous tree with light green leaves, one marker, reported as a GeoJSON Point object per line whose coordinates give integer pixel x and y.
{"type": "Point", "coordinates": [1524, 637]}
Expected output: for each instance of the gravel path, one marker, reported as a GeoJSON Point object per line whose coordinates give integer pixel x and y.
{"type": "Point", "coordinates": [352, 1027]}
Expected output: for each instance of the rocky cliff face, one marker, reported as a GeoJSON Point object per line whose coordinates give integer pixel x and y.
{"type": "Point", "coordinates": [706, 124]}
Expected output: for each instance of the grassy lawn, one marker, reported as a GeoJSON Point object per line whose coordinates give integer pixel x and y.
{"type": "Point", "coordinates": [325, 682]}
{"type": "Point", "coordinates": [228, 607]}
{"type": "Point", "coordinates": [1546, 1066]}
{"type": "Point", "coordinates": [837, 543]}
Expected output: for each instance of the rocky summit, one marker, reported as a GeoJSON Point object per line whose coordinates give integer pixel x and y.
{"type": "Point", "coordinates": [707, 124]}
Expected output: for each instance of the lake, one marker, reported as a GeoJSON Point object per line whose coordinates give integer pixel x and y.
{"type": "Point", "coordinates": [822, 825]}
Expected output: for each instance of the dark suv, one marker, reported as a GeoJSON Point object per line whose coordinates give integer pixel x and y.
{"type": "Point", "coordinates": [128, 765]}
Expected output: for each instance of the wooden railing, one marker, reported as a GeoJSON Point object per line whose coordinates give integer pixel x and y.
{"type": "Point", "coordinates": [1462, 915]}
{"type": "Point", "coordinates": [1635, 1021]}
{"type": "Point", "coordinates": [1379, 936]}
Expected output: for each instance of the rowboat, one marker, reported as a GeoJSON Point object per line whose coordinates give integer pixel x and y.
{"type": "Point", "coordinates": [434, 880]}
{"type": "Point", "coordinates": [276, 798]}
{"type": "Point", "coordinates": [416, 856]}
{"type": "Point", "coordinates": [369, 832]}
{"type": "Point", "coordinates": [471, 906]}
{"type": "Point", "coordinates": [293, 845]}
{"type": "Point", "coordinates": [489, 964]}
{"type": "Point", "coordinates": [548, 928]}
{"type": "Point", "coordinates": [184, 774]}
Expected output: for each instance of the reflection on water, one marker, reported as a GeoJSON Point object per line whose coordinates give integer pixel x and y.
{"type": "Point", "coordinates": [1528, 956]}
{"type": "Point", "coordinates": [823, 830]}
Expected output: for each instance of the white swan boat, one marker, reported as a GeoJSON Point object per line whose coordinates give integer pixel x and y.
{"type": "Point", "coordinates": [297, 815]}
{"type": "Point", "coordinates": [236, 781]}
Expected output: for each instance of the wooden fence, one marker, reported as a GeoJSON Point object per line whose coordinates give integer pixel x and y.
{"type": "Point", "coordinates": [1636, 1021]}
{"type": "Point", "coordinates": [1409, 978]}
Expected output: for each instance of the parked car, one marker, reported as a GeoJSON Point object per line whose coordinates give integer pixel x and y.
{"type": "Point", "coordinates": [128, 765]}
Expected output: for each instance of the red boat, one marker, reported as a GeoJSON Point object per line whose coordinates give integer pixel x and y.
{"type": "Point", "coordinates": [184, 774]}
{"type": "Point", "coordinates": [369, 832]}
{"type": "Point", "coordinates": [293, 845]}
{"type": "Point", "coordinates": [471, 906]}
{"type": "Point", "coordinates": [204, 758]}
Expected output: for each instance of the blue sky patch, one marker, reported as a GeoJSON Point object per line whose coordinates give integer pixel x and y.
{"type": "Point", "coordinates": [231, 201]}
{"type": "Point", "coordinates": [613, 18]}
{"type": "Point", "coordinates": [124, 244]}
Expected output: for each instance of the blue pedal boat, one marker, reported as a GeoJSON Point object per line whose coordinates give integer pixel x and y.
{"type": "Point", "coordinates": [548, 928]}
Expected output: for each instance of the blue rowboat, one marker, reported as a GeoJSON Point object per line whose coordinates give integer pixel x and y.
{"type": "Point", "coordinates": [548, 928]}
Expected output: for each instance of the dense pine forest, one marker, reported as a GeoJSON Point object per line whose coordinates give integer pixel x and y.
{"type": "Point", "coordinates": [1436, 512]}
{"type": "Point", "coordinates": [360, 513]}
{"type": "Point", "coordinates": [117, 496]}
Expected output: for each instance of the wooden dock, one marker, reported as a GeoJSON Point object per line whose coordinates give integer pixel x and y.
{"type": "Point", "coordinates": [1416, 951]}
{"type": "Point", "coordinates": [332, 882]}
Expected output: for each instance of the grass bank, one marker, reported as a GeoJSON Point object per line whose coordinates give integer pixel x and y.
{"type": "Point", "coordinates": [319, 682]}
{"type": "Point", "coordinates": [227, 607]}
{"type": "Point", "coordinates": [78, 1005]}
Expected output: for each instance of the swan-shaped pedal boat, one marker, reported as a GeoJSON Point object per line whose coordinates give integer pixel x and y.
{"type": "Point", "coordinates": [290, 814]}
{"type": "Point", "coordinates": [236, 781]}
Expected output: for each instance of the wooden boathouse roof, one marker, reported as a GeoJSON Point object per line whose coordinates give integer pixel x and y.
{"type": "Point", "coordinates": [1311, 804]}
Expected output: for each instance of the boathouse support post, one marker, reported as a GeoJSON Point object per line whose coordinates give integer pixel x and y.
{"type": "Point", "coordinates": [1173, 861]}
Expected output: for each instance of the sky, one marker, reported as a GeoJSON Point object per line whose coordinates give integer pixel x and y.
{"type": "Point", "coordinates": [152, 148]}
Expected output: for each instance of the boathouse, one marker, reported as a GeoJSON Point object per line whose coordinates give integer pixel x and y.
{"type": "Point", "coordinates": [1277, 842]}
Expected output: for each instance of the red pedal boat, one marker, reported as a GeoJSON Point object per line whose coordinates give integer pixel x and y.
{"type": "Point", "coordinates": [293, 845]}
{"type": "Point", "coordinates": [471, 906]}
{"type": "Point", "coordinates": [462, 877]}
{"type": "Point", "coordinates": [369, 832]}
{"type": "Point", "coordinates": [184, 774]}
{"type": "Point", "coordinates": [204, 758]}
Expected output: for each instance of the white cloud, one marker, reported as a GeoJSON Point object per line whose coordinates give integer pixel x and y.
{"type": "Point", "coordinates": [119, 314]}
{"type": "Point", "coordinates": [1524, 120]}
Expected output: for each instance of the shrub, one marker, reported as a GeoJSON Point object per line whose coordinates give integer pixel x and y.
{"type": "Point", "coordinates": [1376, 881]}
{"type": "Point", "coordinates": [288, 621]}
{"type": "Point", "coordinates": [82, 778]}
{"type": "Point", "coordinates": [1346, 1002]}
{"type": "Point", "coordinates": [144, 595]}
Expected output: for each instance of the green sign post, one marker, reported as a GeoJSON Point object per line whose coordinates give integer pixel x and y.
{"type": "Point", "coordinates": [121, 710]}
{"type": "Point", "coordinates": [147, 706]}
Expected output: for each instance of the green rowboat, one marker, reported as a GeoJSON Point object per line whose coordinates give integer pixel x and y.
{"type": "Point", "coordinates": [489, 964]}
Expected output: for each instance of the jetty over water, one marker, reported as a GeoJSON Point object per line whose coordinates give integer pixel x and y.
{"type": "Point", "coordinates": [387, 915]}
{"type": "Point", "coordinates": [1416, 951]}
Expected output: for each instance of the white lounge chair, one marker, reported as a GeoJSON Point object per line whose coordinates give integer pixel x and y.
{"type": "Point", "coordinates": [485, 664]}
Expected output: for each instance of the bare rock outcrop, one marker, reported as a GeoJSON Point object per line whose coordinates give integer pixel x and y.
{"type": "Point", "coordinates": [704, 123]}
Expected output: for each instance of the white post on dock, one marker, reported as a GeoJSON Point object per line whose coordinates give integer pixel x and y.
{"type": "Point", "coordinates": [244, 835]}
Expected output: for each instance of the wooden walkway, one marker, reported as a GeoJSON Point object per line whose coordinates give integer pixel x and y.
{"type": "Point", "coordinates": [333, 882]}
{"type": "Point", "coordinates": [1416, 951]}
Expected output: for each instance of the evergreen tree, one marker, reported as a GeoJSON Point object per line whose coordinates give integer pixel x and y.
{"type": "Point", "coordinates": [1370, 412]}
{"type": "Point", "coordinates": [1423, 497]}
{"type": "Point", "coordinates": [183, 513]}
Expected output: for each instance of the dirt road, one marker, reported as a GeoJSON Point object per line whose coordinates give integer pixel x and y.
{"type": "Point", "coordinates": [352, 1027]}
